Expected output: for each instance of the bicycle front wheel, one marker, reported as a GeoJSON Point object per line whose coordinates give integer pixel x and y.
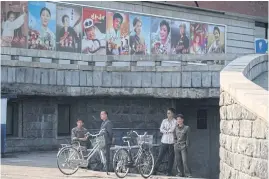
{"type": "Point", "coordinates": [120, 161]}
{"type": "Point", "coordinates": [68, 160]}
{"type": "Point", "coordinates": [146, 163]}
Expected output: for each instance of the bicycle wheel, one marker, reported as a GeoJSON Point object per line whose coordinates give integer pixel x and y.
{"type": "Point", "coordinates": [146, 163]}
{"type": "Point", "coordinates": [120, 161]}
{"type": "Point", "coordinates": [68, 160]}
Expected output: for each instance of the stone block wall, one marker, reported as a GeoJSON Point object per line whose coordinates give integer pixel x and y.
{"type": "Point", "coordinates": [243, 142]}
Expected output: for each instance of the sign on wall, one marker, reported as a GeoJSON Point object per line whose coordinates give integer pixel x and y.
{"type": "Point", "coordinates": [93, 31]}
{"type": "Point", "coordinates": [261, 45]}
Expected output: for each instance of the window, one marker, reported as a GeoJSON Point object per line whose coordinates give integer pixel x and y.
{"type": "Point", "coordinates": [202, 119]}
{"type": "Point", "coordinates": [261, 30]}
{"type": "Point", "coordinates": [12, 119]}
{"type": "Point", "coordinates": [63, 120]}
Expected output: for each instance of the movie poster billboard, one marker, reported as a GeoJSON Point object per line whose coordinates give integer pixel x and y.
{"type": "Point", "coordinates": [68, 36]}
{"type": "Point", "coordinates": [42, 25]}
{"type": "Point", "coordinates": [160, 36]}
{"type": "Point", "coordinates": [14, 24]}
{"type": "Point", "coordinates": [198, 32]}
{"type": "Point", "coordinates": [180, 32]}
{"type": "Point", "coordinates": [139, 35]}
{"type": "Point", "coordinates": [117, 33]}
{"type": "Point", "coordinates": [216, 39]}
{"type": "Point", "coordinates": [94, 31]}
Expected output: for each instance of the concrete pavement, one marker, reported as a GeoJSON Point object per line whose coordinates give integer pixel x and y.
{"type": "Point", "coordinates": [42, 165]}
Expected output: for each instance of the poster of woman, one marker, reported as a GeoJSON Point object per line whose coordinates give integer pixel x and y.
{"type": "Point", "coordinates": [198, 38]}
{"type": "Point", "coordinates": [160, 36]}
{"type": "Point", "coordinates": [94, 31]}
{"type": "Point", "coordinates": [42, 25]}
{"type": "Point", "coordinates": [117, 33]}
{"type": "Point", "coordinates": [216, 39]}
{"type": "Point", "coordinates": [180, 37]}
{"type": "Point", "coordinates": [14, 24]}
{"type": "Point", "coordinates": [68, 38]}
{"type": "Point", "coordinates": [139, 35]}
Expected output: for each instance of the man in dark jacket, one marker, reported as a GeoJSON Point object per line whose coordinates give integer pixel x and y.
{"type": "Point", "coordinates": [106, 126]}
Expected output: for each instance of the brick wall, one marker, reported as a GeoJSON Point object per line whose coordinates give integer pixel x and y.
{"type": "Point", "coordinates": [243, 142]}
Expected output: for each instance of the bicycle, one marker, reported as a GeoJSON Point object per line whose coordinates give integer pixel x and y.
{"type": "Point", "coordinates": [143, 160]}
{"type": "Point", "coordinates": [74, 159]}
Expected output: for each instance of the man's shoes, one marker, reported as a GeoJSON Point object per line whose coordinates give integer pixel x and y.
{"type": "Point", "coordinates": [179, 175]}
{"type": "Point", "coordinates": [188, 176]}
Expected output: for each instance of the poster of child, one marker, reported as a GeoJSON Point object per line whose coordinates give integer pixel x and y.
{"type": "Point", "coordinates": [42, 25]}
{"type": "Point", "coordinates": [68, 38]}
{"type": "Point", "coordinates": [216, 39]}
{"type": "Point", "coordinates": [117, 33]}
{"type": "Point", "coordinates": [94, 31]}
{"type": "Point", "coordinates": [14, 25]}
{"type": "Point", "coordinates": [160, 36]}
{"type": "Point", "coordinates": [199, 37]}
{"type": "Point", "coordinates": [139, 35]}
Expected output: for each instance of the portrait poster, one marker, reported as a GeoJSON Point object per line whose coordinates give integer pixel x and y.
{"type": "Point", "coordinates": [216, 39]}
{"type": "Point", "coordinates": [14, 24]}
{"type": "Point", "coordinates": [68, 36]}
{"type": "Point", "coordinates": [42, 25]}
{"type": "Point", "coordinates": [198, 34]}
{"type": "Point", "coordinates": [160, 36]}
{"type": "Point", "coordinates": [180, 32]}
{"type": "Point", "coordinates": [261, 46]}
{"type": "Point", "coordinates": [139, 34]}
{"type": "Point", "coordinates": [94, 31]}
{"type": "Point", "coordinates": [117, 31]}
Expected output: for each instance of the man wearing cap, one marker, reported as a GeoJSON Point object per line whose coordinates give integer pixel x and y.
{"type": "Point", "coordinates": [181, 147]}
{"type": "Point", "coordinates": [182, 46]}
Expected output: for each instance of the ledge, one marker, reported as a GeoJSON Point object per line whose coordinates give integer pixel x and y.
{"type": "Point", "coordinates": [236, 80]}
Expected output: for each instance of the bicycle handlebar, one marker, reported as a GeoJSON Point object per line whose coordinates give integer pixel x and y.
{"type": "Point", "coordinates": [137, 133]}
{"type": "Point", "coordinates": [94, 135]}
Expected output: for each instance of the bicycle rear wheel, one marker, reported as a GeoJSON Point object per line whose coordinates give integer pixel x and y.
{"type": "Point", "coordinates": [146, 163]}
{"type": "Point", "coordinates": [68, 160]}
{"type": "Point", "coordinates": [120, 161]}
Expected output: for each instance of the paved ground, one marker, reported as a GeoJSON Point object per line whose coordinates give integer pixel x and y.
{"type": "Point", "coordinates": [42, 165]}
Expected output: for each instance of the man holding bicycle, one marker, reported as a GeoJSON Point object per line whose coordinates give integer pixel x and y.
{"type": "Point", "coordinates": [106, 128]}
{"type": "Point", "coordinates": [78, 133]}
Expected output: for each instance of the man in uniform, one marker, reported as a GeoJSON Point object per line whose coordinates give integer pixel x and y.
{"type": "Point", "coordinates": [78, 133]}
{"type": "Point", "coordinates": [181, 147]}
{"type": "Point", "coordinates": [106, 126]}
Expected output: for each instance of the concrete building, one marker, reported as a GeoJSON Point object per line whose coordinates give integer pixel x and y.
{"type": "Point", "coordinates": [47, 92]}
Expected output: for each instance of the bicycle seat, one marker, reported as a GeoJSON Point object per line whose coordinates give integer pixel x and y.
{"type": "Point", "coordinates": [125, 139]}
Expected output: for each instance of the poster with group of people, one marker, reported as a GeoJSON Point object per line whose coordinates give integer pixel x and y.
{"type": "Point", "coordinates": [92, 31]}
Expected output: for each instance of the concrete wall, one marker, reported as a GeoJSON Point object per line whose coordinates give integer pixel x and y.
{"type": "Point", "coordinates": [244, 120]}
{"type": "Point", "coordinates": [26, 74]}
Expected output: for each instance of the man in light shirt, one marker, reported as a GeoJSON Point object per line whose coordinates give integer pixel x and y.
{"type": "Point", "coordinates": [167, 129]}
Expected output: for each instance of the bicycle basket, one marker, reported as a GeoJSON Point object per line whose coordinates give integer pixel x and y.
{"type": "Point", "coordinates": [148, 139]}
{"type": "Point", "coordinates": [99, 140]}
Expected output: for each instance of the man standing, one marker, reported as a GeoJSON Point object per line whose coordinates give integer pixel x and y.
{"type": "Point", "coordinates": [182, 143]}
{"type": "Point", "coordinates": [106, 126]}
{"type": "Point", "coordinates": [167, 129]}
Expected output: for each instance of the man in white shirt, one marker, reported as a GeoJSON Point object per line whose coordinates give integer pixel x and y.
{"type": "Point", "coordinates": [167, 129]}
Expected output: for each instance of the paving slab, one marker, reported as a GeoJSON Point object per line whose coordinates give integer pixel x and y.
{"type": "Point", "coordinates": [42, 165]}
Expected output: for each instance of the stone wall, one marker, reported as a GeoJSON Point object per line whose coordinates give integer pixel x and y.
{"type": "Point", "coordinates": [243, 142]}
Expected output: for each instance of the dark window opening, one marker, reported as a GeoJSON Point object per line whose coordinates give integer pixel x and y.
{"type": "Point", "coordinates": [202, 119]}
{"type": "Point", "coordinates": [63, 120]}
{"type": "Point", "coordinates": [12, 120]}
{"type": "Point", "coordinates": [263, 25]}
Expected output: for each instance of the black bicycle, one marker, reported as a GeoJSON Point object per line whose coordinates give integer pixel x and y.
{"type": "Point", "coordinates": [123, 159]}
